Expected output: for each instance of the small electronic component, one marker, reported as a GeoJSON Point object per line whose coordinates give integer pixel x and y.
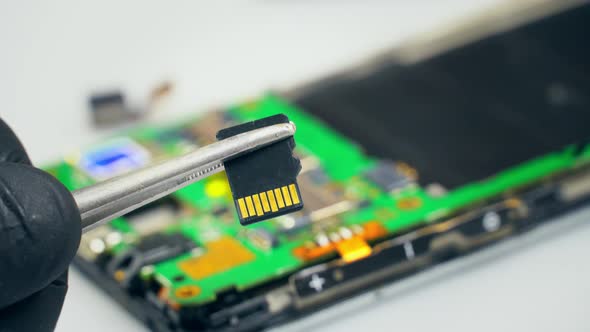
{"type": "Point", "coordinates": [351, 243]}
{"type": "Point", "coordinates": [263, 183]}
{"type": "Point", "coordinates": [154, 217]}
{"type": "Point", "coordinates": [263, 238]}
{"type": "Point", "coordinates": [115, 157]}
{"type": "Point", "coordinates": [97, 241]}
{"type": "Point", "coordinates": [318, 176]}
{"type": "Point", "coordinates": [316, 193]}
{"type": "Point", "coordinates": [109, 109]}
{"type": "Point", "coordinates": [353, 249]}
{"type": "Point", "coordinates": [216, 186]}
{"type": "Point", "coordinates": [387, 176]}
{"type": "Point", "coordinates": [182, 138]}
{"type": "Point", "coordinates": [150, 250]}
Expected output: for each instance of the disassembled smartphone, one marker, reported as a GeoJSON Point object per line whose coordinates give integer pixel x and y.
{"type": "Point", "coordinates": [427, 153]}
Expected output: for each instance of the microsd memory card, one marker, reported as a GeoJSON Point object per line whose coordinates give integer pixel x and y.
{"type": "Point", "coordinates": [263, 182]}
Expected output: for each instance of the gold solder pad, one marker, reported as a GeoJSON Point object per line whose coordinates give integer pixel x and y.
{"type": "Point", "coordinates": [221, 255]}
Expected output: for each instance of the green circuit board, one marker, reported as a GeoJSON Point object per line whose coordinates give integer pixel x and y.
{"type": "Point", "coordinates": [344, 194]}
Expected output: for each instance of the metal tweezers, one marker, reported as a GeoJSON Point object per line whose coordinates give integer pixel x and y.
{"type": "Point", "coordinates": [117, 196]}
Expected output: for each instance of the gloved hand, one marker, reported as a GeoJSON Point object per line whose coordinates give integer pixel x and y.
{"type": "Point", "coordinates": [39, 233]}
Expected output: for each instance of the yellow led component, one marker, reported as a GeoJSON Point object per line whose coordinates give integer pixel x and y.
{"type": "Point", "coordinates": [294, 195]}
{"type": "Point", "coordinates": [119, 275]}
{"type": "Point", "coordinates": [409, 203]}
{"type": "Point", "coordinates": [257, 205]}
{"type": "Point", "coordinates": [242, 206]}
{"type": "Point", "coordinates": [353, 249]}
{"type": "Point", "coordinates": [279, 198]}
{"type": "Point", "coordinates": [273, 202]}
{"type": "Point", "coordinates": [286, 196]}
{"type": "Point", "coordinates": [250, 206]}
{"type": "Point", "coordinates": [264, 200]}
{"type": "Point", "coordinates": [187, 291]}
{"type": "Point", "coordinates": [216, 188]}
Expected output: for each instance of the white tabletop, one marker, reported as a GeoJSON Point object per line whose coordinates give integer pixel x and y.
{"type": "Point", "coordinates": [54, 53]}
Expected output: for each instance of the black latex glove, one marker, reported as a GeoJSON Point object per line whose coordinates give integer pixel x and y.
{"type": "Point", "coordinates": [39, 234]}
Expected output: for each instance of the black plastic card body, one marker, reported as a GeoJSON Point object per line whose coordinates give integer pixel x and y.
{"type": "Point", "coordinates": [263, 182]}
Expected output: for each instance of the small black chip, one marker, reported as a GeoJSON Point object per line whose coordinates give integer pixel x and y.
{"type": "Point", "coordinates": [152, 249]}
{"type": "Point", "coordinates": [263, 182]}
{"type": "Point", "coordinates": [387, 177]}
{"type": "Point", "coordinates": [109, 109]}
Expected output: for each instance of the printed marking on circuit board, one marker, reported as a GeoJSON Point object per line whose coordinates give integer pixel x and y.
{"type": "Point", "coordinates": [270, 201]}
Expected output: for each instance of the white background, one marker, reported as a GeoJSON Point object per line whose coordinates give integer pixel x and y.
{"type": "Point", "coordinates": [53, 53]}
